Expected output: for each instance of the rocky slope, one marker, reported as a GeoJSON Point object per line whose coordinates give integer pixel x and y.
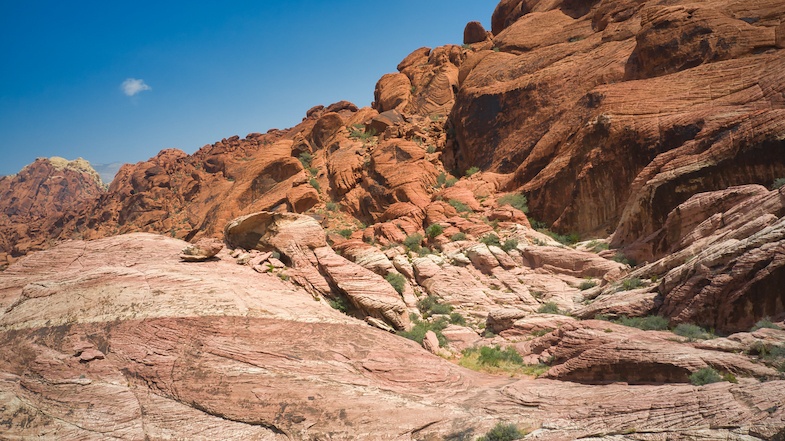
{"type": "Point", "coordinates": [33, 200]}
{"type": "Point", "coordinates": [652, 130]}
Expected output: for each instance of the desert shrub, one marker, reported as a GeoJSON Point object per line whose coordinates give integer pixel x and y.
{"type": "Point", "coordinates": [541, 332]}
{"type": "Point", "coordinates": [441, 179]}
{"type": "Point", "coordinates": [430, 149]}
{"type": "Point", "coordinates": [458, 236]}
{"type": "Point", "coordinates": [692, 332]}
{"type": "Point", "coordinates": [510, 244]}
{"type": "Point", "coordinates": [305, 159]}
{"type": "Point", "coordinates": [621, 258]}
{"type": "Point", "coordinates": [587, 284]}
{"type": "Point", "coordinates": [424, 251]}
{"type": "Point", "coordinates": [703, 376]}
{"type": "Point", "coordinates": [778, 183]}
{"type": "Point", "coordinates": [648, 323]}
{"type": "Point", "coordinates": [630, 284]}
{"type": "Point", "coordinates": [493, 356]}
{"type": "Point", "coordinates": [398, 281]}
{"type": "Point", "coordinates": [358, 132]}
{"type": "Point", "coordinates": [549, 308]}
{"type": "Point", "coordinates": [515, 200]}
{"type": "Point", "coordinates": [764, 323]}
{"type": "Point", "coordinates": [413, 241]}
{"type": "Point", "coordinates": [315, 184]}
{"type": "Point", "coordinates": [434, 230]}
{"type": "Point", "coordinates": [451, 181]}
{"type": "Point", "coordinates": [491, 239]}
{"type": "Point", "coordinates": [346, 233]}
{"type": "Point", "coordinates": [339, 304]}
{"type": "Point", "coordinates": [430, 305]}
{"type": "Point", "coordinates": [503, 432]}
{"type": "Point", "coordinates": [459, 206]}
{"type": "Point", "coordinates": [564, 239]}
{"type": "Point", "coordinates": [457, 319]}
{"type": "Point", "coordinates": [421, 327]}
{"type": "Point", "coordinates": [596, 246]}
{"type": "Point", "coordinates": [471, 171]}
{"type": "Point", "coordinates": [331, 206]}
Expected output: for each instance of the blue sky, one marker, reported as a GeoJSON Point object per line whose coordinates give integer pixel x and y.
{"type": "Point", "coordinates": [204, 70]}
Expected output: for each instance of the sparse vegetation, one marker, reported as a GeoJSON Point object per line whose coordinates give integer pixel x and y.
{"type": "Point", "coordinates": [503, 432]}
{"type": "Point", "coordinates": [630, 284]}
{"type": "Point", "coordinates": [331, 206]}
{"type": "Point", "coordinates": [549, 308]}
{"type": "Point", "coordinates": [459, 206]}
{"type": "Point", "coordinates": [315, 184]}
{"type": "Point", "coordinates": [421, 327]}
{"type": "Point", "coordinates": [496, 360]}
{"type": "Point", "coordinates": [491, 239]}
{"type": "Point", "coordinates": [510, 244]}
{"type": "Point", "coordinates": [340, 304]}
{"type": "Point", "coordinates": [430, 149]}
{"type": "Point", "coordinates": [587, 284]}
{"type": "Point", "coordinates": [305, 159]}
{"type": "Point", "coordinates": [451, 181]}
{"type": "Point", "coordinates": [778, 183]}
{"type": "Point", "coordinates": [515, 200]}
{"type": "Point", "coordinates": [430, 305]}
{"type": "Point", "coordinates": [621, 258]}
{"type": "Point", "coordinates": [345, 233]}
{"type": "Point", "coordinates": [692, 332]}
{"type": "Point", "coordinates": [764, 323]}
{"type": "Point", "coordinates": [596, 246]}
{"type": "Point", "coordinates": [359, 132]}
{"type": "Point", "coordinates": [413, 241]}
{"type": "Point", "coordinates": [434, 230]}
{"type": "Point", "coordinates": [398, 281]}
{"type": "Point", "coordinates": [457, 319]}
{"type": "Point", "coordinates": [441, 179]}
{"type": "Point", "coordinates": [458, 236]}
{"type": "Point", "coordinates": [648, 323]}
{"type": "Point", "coordinates": [471, 171]}
{"type": "Point", "coordinates": [706, 375]}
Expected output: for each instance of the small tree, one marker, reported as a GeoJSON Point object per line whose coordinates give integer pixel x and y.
{"type": "Point", "coordinates": [434, 230]}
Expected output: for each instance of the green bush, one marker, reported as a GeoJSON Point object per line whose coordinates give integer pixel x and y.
{"type": "Point", "coordinates": [515, 200]}
{"type": "Point", "coordinates": [430, 305]}
{"type": "Point", "coordinates": [450, 182]}
{"type": "Point", "coordinates": [596, 246]}
{"type": "Point", "coordinates": [491, 239]}
{"type": "Point", "coordinates": [441, 179]}
{"type": "Point", "coordinates": [315, 184]}
{"type": "Point", "coordinates": [340, 304]}
{"type": "Point", "coordinates": [764, 323]}
{"type": "Point", "coordinates": [703, 376]}
{"type": "Point", "coordinates": [430, 149]}
{"type": "Point", "coordinates": [457, 319]}
{"type": "Point", "coordinates": [648, 323]}
{"type": "Point", "coordinates": [398, 281]}
{"type": "Point", "coordinates": [458, 236]}
{"type": "Point", "coordinates": [621, 258]}
{"type": "Point", "coordinates": [331, 206]}
{"type": "Point", "coordinates": [459, 206]}
{"type": "Point", "coordinates": [549, 308]}
{"type": "Point", "coordinates": [413, 241]}
{"type": "Point", "coordinates": [692, 332]}
{"type": "Point", "coordinates": [503, 432]}
{"type": "Point", "coordinates": [587, 284]}
{"type": "Point", "coordinates": [472, 171]}
{"type": "Point", "coordinates": [434, 230]}
{"type": "Point", "coordinates": [305, 159]}
{"type": "Point", "coordinates": [346, 233]}
{"type": "Point", "coordinates": [493, 356]}
{"type": "Point", "coordinates": [778, 183]}
{"type": "Point", "coordinates": [420, 328]}
{"type": "Point", "coordinates": [358, 132]}
{"type": "Point", "coordinates": [510, 244]}
{"type": "Point", "coordinates": [630, 284]}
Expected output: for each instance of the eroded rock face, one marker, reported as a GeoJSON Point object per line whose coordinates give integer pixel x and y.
{"type": "Point", "coordinates": [32, 201]}
{"type": "Point", "coordinates": [607, 153]}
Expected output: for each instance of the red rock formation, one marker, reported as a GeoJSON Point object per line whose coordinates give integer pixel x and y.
{"type": "Point", "coordinates": [32, 201]}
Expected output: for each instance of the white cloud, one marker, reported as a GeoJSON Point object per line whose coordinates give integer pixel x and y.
{"type": "Point", "coordinates": [132, 86]}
